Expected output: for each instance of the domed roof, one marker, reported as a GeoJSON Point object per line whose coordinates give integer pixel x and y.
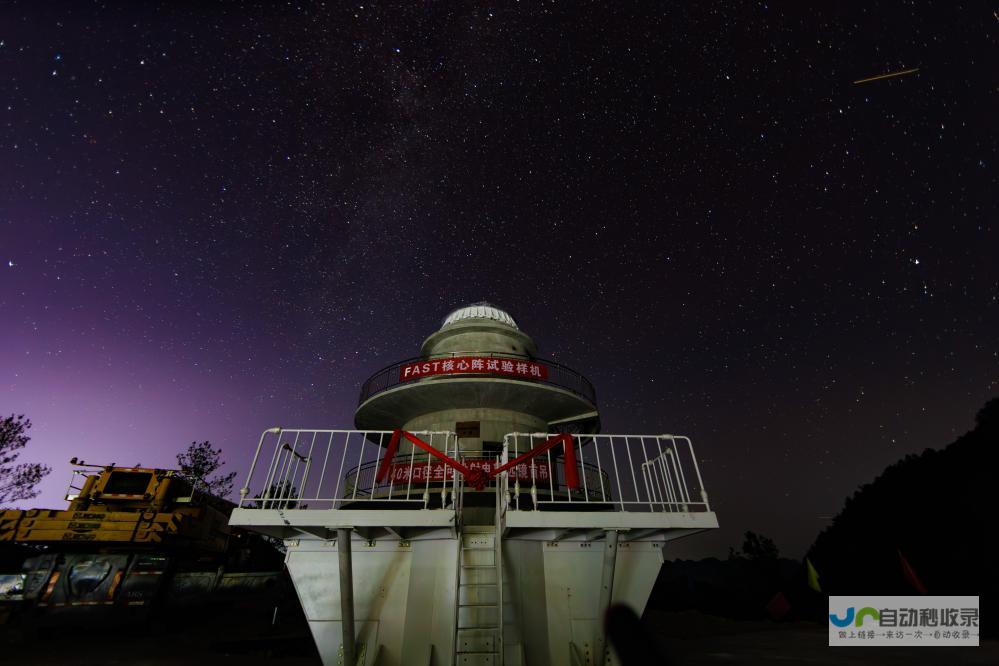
{"type": "Point", "coordinates": [480, 311]}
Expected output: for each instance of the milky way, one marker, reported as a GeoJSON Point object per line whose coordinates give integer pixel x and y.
{"type": "Point", "coordinates": [215, 219]}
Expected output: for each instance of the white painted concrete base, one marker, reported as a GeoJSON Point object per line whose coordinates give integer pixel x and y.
{"type": "Point", "coordinates": [404, 595]}
{"type": "Point", "coordinates": [403, 598]}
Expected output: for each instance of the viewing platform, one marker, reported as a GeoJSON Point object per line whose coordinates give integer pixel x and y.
{"type": "Point", "coordinates": [318, 481]}
{"type": "Point", "coordinates": [476, 515]}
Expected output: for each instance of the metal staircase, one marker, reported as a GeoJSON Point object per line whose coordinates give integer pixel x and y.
{"type": "Point", "coordinates": [479, 630]}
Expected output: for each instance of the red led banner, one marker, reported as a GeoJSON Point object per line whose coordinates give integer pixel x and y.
{"type": "Point", "coordinates": [478, 477]}
{"type": "Point", "coordinates": [439, 471]}
{"type": "Point", "coordinates": [473, 364]}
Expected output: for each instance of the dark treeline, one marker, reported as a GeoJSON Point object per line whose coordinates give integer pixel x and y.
{"type": "Point", "coordinates": [740, 587]}
{"type": "Point", "coordinates": [936, 509]}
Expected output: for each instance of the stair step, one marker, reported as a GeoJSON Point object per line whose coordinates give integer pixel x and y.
{"type": "Point", "coordinates": [480, 576]}
{"type": "Point", "coordinates": [479, 557]}
{"type": "Point", "coordinates": [471, 652]}
{"type": "Point", "coordinates": [479, 529]}
{"type": "Point", "coordinates": [479, 594]}
{"type": "Point", "coordinates": [477, 541]}
{"type": "Point", "coordinates": [471, 637]}
{"type": "Point", "coordinates": [478, 617]}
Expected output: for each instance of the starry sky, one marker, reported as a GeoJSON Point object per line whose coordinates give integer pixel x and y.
{"type": "Point", "coordinates": [216, 218]}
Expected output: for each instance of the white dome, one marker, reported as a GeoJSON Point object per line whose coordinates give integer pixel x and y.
{"type": "Point", "coordinates": [480, 311]}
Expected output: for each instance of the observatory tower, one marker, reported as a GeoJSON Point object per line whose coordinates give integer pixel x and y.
{"type": "Point", "coordinates": [475, 515]}
{"type": "Point", "coordinates": [478, 376]}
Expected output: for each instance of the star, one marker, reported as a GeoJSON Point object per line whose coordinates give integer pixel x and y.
{"type": "Point", "coordinates": [617, 189]}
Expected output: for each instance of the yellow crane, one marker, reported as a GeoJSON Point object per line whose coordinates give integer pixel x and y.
{"type": "Point", "coordinates": [131, 538]}
{"type": "Point", "coordinates": [125, 505]}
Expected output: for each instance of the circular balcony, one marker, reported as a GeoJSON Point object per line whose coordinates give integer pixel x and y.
{"type": "Point", "coordinates": [553, 374]}
{"type": "Point", "coordinates": [541, 388]}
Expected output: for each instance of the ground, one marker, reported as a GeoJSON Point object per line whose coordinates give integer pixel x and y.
{"type": "Point", "coordinates": [691, 639]}
{"type": "Point", "coordinates": [694, 639]}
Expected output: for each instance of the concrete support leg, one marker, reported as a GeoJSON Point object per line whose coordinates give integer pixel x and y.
{"type": "Point", "coordinates": [606, 594]}
{"type": "Point", "coordinates": [346, 596]}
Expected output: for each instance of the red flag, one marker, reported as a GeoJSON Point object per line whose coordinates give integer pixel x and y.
{"type": "Point", "coordinates": [571, 474]}
{"type": "Point", "coordinates": [778, 606]}
{"type": "Point", "coordinates": [910, 573]}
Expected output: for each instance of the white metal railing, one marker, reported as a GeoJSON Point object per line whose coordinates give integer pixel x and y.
{"type": "Point", "coordinates": [614, 472]}
{"type": "Point", "coordinates": [501, 509]}
{"type": "Point", "coordinates": [348, 462]}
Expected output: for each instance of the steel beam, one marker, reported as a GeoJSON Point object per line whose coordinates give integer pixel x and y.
{"type": "Point", "coordinates": [606, 594]}
{"type": "Point", "coordinates": [346, 595]}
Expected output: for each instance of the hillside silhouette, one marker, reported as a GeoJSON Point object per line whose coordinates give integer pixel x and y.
{"type": "Point", "coordinates": [936, 508]}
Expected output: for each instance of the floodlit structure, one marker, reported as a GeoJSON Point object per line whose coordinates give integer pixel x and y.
{"type": "Point", "coordinates": [475, 515]}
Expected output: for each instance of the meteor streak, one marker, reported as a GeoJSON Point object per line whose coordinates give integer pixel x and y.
{"type": "Point", "coordinates": [888, 75]}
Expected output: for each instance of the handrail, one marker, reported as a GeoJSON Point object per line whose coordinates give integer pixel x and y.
{"type": "Point", "coordinates": [544, 470]}
{"type": "Point", "coordinates": [283, 477]}
{"type": "Point", "coordinates": [559, 375]}
{"type": "Point", "coordinates": [657, 473]}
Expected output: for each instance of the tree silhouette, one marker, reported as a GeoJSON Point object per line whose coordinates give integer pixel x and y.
{"type": "Point", "coordinates": [18, 481]}
{"type": "Point", "coordinates": [199, 463]}
{"type": "Point", "coordinates": [279, 496]}
{"type": "Point", "coordinates": [933, 508]}
{"type": "Point", "coordinates": [755, 547]}
{"type": "Point", "coordinates": [758, 547]}
{"type": "Point", "coordinates": [987, 418]}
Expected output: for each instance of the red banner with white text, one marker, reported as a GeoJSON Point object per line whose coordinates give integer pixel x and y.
{"type": "Point", "coordinates": [473, 365]}
{"type": "Point", "coordinates": [439, 471]}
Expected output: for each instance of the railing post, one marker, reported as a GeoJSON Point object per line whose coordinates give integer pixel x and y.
{"type": "Point", "coordinates": [498, 554]}
{"type": "Point", "coordinates": [697, 469]}
{"type": "Point", "coordinates": [246, 487]}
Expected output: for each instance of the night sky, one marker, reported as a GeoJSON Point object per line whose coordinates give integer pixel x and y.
{"type": "Point", "coordinates": [216, 219]}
